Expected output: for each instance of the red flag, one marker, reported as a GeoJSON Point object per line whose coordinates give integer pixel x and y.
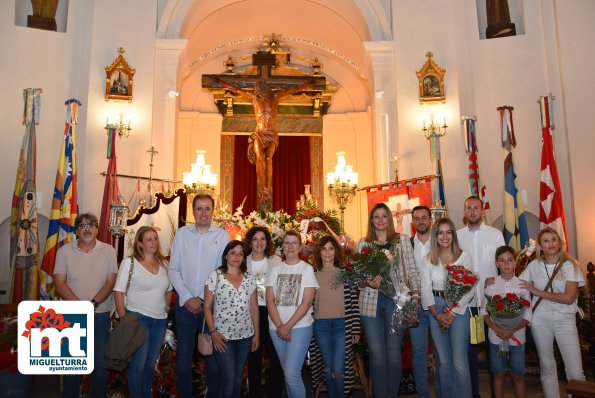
{"type": "Point", "coordinates": [551, 209]}
{"type": "Point", "coordinates": [111, 190]}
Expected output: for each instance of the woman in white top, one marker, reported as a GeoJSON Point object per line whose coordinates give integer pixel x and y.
{"type": "Point", "coordinates": [231, 290]}
{"type": "Point", "coordinates": [260, 256]}
{"type": "Point", "coordinates": [450, 330]}
{"type": "Point", "coordinates": [291, 287]}
{"type": "Point", "coordinates": [554, 309]}
{"type": "Point", "coordinates": [149, 295]}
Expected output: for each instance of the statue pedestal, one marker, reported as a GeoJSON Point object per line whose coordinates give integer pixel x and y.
{"type": "Point", "coordinates": [500, 30]}
{"type": "Point", "coordinates": [37, 22]}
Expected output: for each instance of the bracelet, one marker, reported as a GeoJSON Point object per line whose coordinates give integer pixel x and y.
{"type": "Point", "coordinates": [211, 332]}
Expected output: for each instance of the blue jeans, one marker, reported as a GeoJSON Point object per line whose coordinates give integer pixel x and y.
{"type": "Point", "coordinates": [231, 364]}
{"type": "Point", "coordinates": [330, 337]}
{"type": "Point", "coordinates": [141, 369]}
{"type": "Point", "coordinates": [452, 351]}
{"type": "Point", "coordinates": [98, 385]}
{"type": "Point", "coordinates": [516, 359]}
{"type": "Point", "coordinates": [384, 349]}
{"type": "Point", "coordinates": [291, 355]}
{"type": "Point", "coordinates": [419, 344]}
{"type": "Point", "coordinates": [187, 327]}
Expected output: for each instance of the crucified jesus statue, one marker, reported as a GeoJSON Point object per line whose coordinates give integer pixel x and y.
{"type": "Point", "coordinates": [263, 143]}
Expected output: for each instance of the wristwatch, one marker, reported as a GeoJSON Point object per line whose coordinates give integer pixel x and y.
{"type": "Point", "coordinates": [95, 303]}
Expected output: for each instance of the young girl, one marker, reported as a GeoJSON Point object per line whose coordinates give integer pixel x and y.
{"type": "Point", "coordinates": [504, 284]}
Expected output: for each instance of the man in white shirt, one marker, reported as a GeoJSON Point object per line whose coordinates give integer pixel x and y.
{"type": "Point", "coordinates": [195, 253]}
{"type": "Point", "coordinates": [481, 241]}
{"type": "Point", "coordinates": [422, 221]}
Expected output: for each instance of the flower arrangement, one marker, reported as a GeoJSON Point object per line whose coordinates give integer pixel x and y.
{"type": "Point", "coordinates": [459, 282]}
{"type": "Point", "coordinates": [507, 312]}
{"type": "Point", "coordinates": [368, 263]}
{"type": "Point", "coordinates": [506, 306]}
{"type": "Point", "coordinates": [237, 224]}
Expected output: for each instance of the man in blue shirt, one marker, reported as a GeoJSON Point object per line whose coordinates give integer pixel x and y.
{"type": "Point", "coordinates": [195, 253]}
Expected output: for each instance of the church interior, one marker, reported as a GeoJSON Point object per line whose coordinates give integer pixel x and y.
{"type": "Point", "coordinates": [373, 105]}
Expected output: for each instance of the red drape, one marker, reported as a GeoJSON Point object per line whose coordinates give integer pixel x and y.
{"type": "Point", "coordinates": [291, 171]}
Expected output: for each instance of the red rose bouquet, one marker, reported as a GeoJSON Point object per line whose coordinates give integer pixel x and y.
{"type": "Point", "coordinates": [507, 312]}
{"type": "Point", "coordinates": [459, 282]}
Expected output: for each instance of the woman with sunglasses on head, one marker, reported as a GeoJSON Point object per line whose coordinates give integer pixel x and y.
{"type": "Point", "coordinates": [231, 314]}
{"type": "Point", "coordinates": [450, 330]}
{"type": "Point", "coordinates": [554, 309]}
{"type": "Point", "coordinates": [376, 309]}
{"type": "Point", "coordinates": [149, 295]}
{"type": "Point", "coordinates": [291, 287]}
{"type": "Point", "coordinates": [261, 258]}
{"type": "Point", "coordinates": [336, 322]}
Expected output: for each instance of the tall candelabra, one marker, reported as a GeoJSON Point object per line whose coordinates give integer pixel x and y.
{"type": "Point", "coordinates": [342, 184]}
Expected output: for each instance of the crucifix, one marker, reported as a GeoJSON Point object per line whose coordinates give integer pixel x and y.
{"type": "Point", "coordinates": [265, 90]}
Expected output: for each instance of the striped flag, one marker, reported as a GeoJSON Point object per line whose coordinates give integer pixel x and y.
{"type": "Point", "coordinates": [64, 203]}
{"type": "Point", "coordinates": [516, 233]}
{"type": "Point", "coordinates": [24, 237]}
{"type": "Point", "coordinates": [475, 186]}
{"type": "Point", "coordinates": [551, 209]}
{"type": "Point", "coordinates": [110, 190]}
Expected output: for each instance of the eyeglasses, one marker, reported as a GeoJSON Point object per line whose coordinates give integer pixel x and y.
{"type": "Point", "coordinates": [86, 226]}
{"type": "Point", "coordinates": [291, 243]}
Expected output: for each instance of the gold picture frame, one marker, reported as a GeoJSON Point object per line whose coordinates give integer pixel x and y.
{"type": "Point", "coordinates": [119, 79]}
{"type": "Point", "coordinates": [431, 81]}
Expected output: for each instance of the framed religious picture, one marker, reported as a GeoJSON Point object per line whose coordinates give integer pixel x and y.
{"type": "Point", "coordinates": [431, 81]}
{"type": "Point", "coordinates": [118, 79]}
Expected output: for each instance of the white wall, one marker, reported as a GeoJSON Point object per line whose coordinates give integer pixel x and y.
{"type": "Point", "coordinates": [59, 64]}
{"type": "Point", "coordinates": [484, 74]}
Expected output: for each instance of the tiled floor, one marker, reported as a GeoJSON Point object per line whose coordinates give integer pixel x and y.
{"type": "Point", "coordinates": [49, 387]}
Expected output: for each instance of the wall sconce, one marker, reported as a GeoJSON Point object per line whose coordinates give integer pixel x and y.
{"type": "Point", "coordinates": [434, 129]}
{"type": "Point", "coordinates": [200, 180]}
{"type": "Point", "coordinates": [122, 129]}
{"type": "Point", "coordinates": [342, 185]}
{"type": "Point", "coordinates": [173, 93]}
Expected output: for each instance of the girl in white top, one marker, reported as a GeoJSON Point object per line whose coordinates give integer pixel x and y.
{"type": "Point", "coordinates": [231, 314]}
{"type": "Point", "coordinates": [261, 258]}
{"type": "Point", "coordinates": [450, 330]}
{"type": "Point", "coordinates": [554, 316]}
{"type": "Point", "coordinates": [148, 297]}
{"type": "Point", "coordinates": [291, 287]}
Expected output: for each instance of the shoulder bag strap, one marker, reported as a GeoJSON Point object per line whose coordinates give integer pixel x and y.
{"type": "Point", "coordinates": [130, 271]}
{"type": "Point", "coordinates": [549, 283]}
{"type": "Point", "coordinates": [214, 302]}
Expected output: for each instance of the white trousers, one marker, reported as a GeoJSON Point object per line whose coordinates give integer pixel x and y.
{"type": "Point", "coordinates": [550, 325]}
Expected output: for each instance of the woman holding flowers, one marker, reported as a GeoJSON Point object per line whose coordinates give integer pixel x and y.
{"type": "Point", "coordinates": [377, 304]}
{"type": "Point", "coordinates": [554, 309]}
{"type": "Point", "coordinates": [291, 287]}
{"type": "Point", "coordinates": [507, 312]}
{"type": "Point", "coordinates": [447, 283]}
{"type": "Point", "coordinates": [336, 322]}
{"type": "Point", "coordinates": [260, 256]}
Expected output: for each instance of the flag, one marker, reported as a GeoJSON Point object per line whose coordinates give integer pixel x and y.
{"type": "Point", "coordinates": [64, 203]}
{"type": "Point", "coordinates": [551, 209]}
{"type": "Point", "coordinates": [24, 237]}
{"type": "Point", "coordinates": [110, 190]}
{"type": "Point", "coordinates": [475, 186]}
{"type": "Point", "coordinates": [438, 185]}
{"type": "Point", "coordinates": [516, 233]}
